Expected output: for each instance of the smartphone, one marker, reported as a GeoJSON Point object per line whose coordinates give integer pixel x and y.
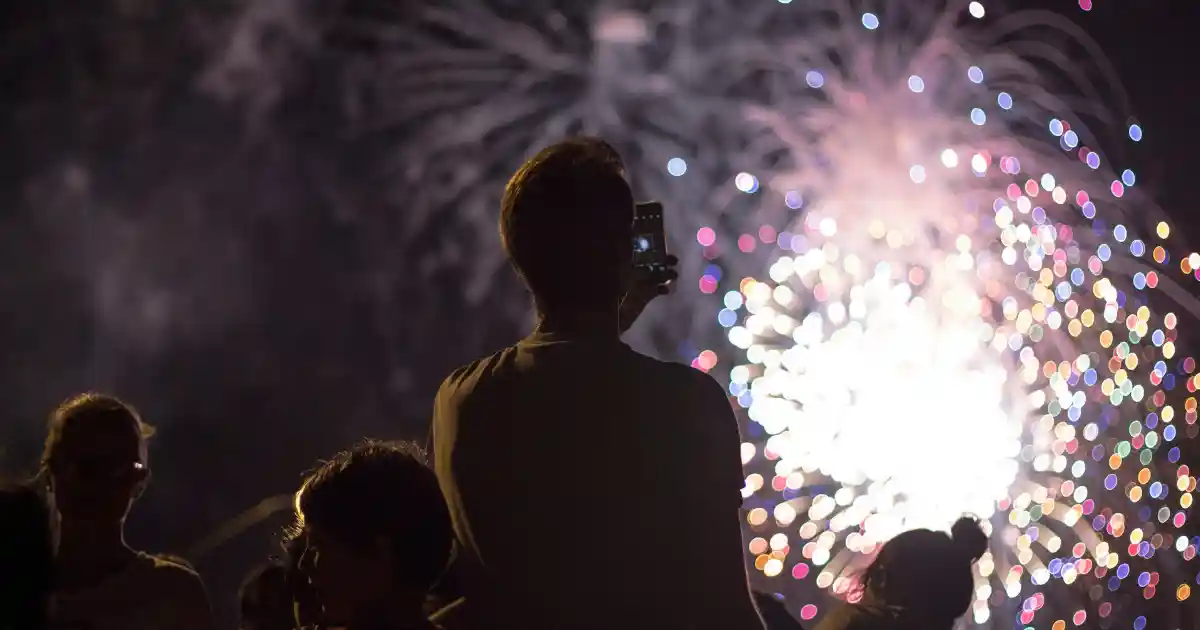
{"type": "Point", "coordinates": [649, 236]}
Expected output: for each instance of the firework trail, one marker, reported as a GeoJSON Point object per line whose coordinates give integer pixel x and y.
{"type": "Point", "coordinates": [474, 93]}
{"type": "Point", "coordinates": [965, 308]}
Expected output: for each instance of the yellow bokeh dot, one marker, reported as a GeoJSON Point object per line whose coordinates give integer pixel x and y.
{"type": "Point", "coordinates": [1164, 230]}
{"type": "Point", "coordinates": [1059, 625]}
{"type": "Point", "coordinates": [1135, 494]}
{"type": "Point", "coordinates": [1183, 592]}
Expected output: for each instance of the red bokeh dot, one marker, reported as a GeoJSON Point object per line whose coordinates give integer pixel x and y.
{"type": "Point", "coordinates": [706, 236]}
{"type": "Point", "coordinates": [746, 243]}
{"type": "Point", "coordinates": [808, 612]}
{"type": "Point", "coordinates": [707, 359]}
{"type": "Point", "coordinates": [767, 234]}
{"type": "Point", "coordinates": [708, 284]}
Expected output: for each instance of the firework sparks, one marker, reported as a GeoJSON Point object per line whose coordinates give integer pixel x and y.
{"type": "Point", "coordinates": [956, 326]}
{"type": "Point", "coordinates": [964, 308]}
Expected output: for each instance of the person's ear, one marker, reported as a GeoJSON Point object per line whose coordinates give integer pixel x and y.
{"type": "Point", "coordinates": [143, 479]}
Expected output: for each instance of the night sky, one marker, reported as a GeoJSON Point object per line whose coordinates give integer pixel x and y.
{"type": "Point", "coordinates": [228, 248]}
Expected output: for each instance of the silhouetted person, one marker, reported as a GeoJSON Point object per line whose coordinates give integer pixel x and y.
{"type": "Point", "coordinates": [96, 464]}
{"type": "Point", "coordinates": [375, 536]}
{"type": "Point", "coordinates": [921, 580]}
{"type": "Point", "coordinates": [26, 559]}
{"type": "Point", "coordinates": [590, 486]}
{"type": "Point", "coordinates": [265, 599]}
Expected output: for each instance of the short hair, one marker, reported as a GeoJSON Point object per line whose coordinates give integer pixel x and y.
{"type": "Point", "coordinates": [382, 489]}
{"type": "Point", "coordinates": [562, 216]}
{"type": "Point", "coordinates": [95, 407]}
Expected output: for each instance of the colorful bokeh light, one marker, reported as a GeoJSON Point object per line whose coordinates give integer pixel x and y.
{"type": "Point", "coordinates": [937, 294]}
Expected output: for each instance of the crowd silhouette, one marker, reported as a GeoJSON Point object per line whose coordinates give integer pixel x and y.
{"type": "Point", "coordinates": [555, 466]}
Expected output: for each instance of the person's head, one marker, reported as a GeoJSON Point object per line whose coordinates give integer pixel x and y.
{"type": "Point", "coordinates": [566, 222]}
{"type": "Point", "coordinates": [26, 558]}
{"type": "Point", "coordinates": [376, 530]}
{"type": "Point", "coordinates": [96, 458]}
{"type": "Point", "coordinates": [266, 599]}
{"type": "Point", "coordinates": [928, 572]}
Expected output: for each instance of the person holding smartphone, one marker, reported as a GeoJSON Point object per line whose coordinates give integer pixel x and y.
{"type": "Point", "coordinates": [590, 486]}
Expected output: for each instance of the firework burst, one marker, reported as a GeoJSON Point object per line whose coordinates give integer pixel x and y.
{"type": "Point", "coordinates": [960, 323]}
{"type": "Point", "coordinates": [965, 307]}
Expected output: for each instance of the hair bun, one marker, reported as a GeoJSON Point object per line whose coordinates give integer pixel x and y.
{"type": "Point", "coordinates": [969, 538]}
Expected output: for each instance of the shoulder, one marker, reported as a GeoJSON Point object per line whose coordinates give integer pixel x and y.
{"type": "Point", "coordinates": [463, 380]}
{"type": "Point", "coordinates": [675, 373]}
{"type": "Point", "coordinates": [173, 578]}
{"type": "Point", "coordinates": [691, 388]}
{"type": "Point", "coordinates": [702, 388]}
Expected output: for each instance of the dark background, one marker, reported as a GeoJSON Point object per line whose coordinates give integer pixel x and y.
{"type": "Point", "coordinates": [218, 242]}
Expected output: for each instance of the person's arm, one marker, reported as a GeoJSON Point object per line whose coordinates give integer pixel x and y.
{"type": "Point", "coordinates": [718, 515]}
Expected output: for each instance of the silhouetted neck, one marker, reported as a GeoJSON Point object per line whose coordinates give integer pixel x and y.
{"type": "Point", "coordinates": [87, 553]}
{"type": "Point", "coordinates": [85, 539]}
{"type": "Point", "coordinates": [604, 324]}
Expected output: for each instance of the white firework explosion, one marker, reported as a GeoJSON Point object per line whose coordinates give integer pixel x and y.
{"type": "Point", "coordinates": [964, 304]}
